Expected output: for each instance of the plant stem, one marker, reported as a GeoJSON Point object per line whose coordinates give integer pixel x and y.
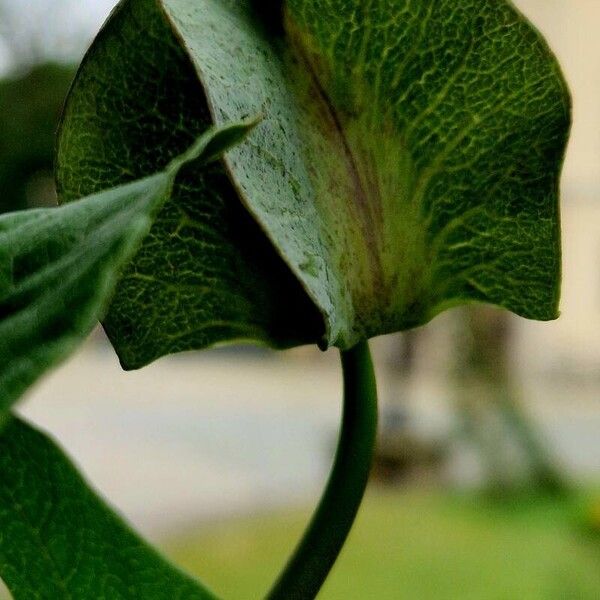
{"type": "Point", "coordinates": [318, 550]}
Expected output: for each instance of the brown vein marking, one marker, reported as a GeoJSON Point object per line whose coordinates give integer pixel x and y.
{"type": "Point", "coordinates": [360, 196]}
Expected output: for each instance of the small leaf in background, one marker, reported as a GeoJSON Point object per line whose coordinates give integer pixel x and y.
{"type": "Point", "coordinates": [59, 266]}
{"type": "Point", "coordinates": [58, 540]}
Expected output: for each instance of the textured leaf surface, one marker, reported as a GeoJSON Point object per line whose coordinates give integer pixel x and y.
{"type": "Point", "coordinates": [206, 274]}
{"type": "Point", "coordinates": [426, 137]}
{"type": "Point", "coordinates": [59, 266]}
{"type": "Point", "coordinates": [58, 540]}
{"type": "Point", "coordinates": [408, 160]}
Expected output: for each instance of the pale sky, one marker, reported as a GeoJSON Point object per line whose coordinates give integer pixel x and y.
{"type": "Point", "coordinates": [60, 29]}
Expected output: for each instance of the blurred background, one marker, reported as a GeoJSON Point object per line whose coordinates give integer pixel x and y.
{"type": "Point", "coordinates": [486, 483]}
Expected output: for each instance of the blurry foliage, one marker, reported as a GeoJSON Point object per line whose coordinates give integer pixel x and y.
{"type": "Point", "coordinates": [415, 545]}
{"type": "Point", "coordinates": [487, 399]}
{"type": "Point", "coordinates": [489, 403]}
{"type": "Point", "coordinates": [30, 107]}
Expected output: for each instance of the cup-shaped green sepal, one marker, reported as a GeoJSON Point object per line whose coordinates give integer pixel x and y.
{"type": "Point", "coordinates": [408, 161]}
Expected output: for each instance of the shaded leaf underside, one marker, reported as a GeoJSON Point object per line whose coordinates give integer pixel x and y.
{"type": "Point", "coordinates": [205, 274]}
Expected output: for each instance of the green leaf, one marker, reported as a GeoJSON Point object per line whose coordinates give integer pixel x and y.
{"type": "Point", "coordinates": [408, 160]}
{"type": "Point", "coordinates": [206, 273]}
{"type": "Point", "coordinates": [59, 540]}
{"type": "Point", "coordinates": [59, 266]}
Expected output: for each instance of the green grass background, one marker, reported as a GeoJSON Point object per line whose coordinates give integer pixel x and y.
{"type": "Point", "coordinates": [416, 545]}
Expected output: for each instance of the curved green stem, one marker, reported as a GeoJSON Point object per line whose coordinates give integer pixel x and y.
{"type": "Point", "coordinates": [318, 550]}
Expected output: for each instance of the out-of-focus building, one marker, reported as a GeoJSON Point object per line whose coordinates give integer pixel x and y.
{"type": "Point", "coordinates": [571, 345]}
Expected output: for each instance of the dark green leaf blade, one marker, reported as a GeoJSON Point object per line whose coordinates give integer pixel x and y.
{"type": "Point", "coordinates": [58, 540]}
{"type": "Point", "coordinates": [206, 274]}
{"type": "Point", "coordinates": [59, 266]}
